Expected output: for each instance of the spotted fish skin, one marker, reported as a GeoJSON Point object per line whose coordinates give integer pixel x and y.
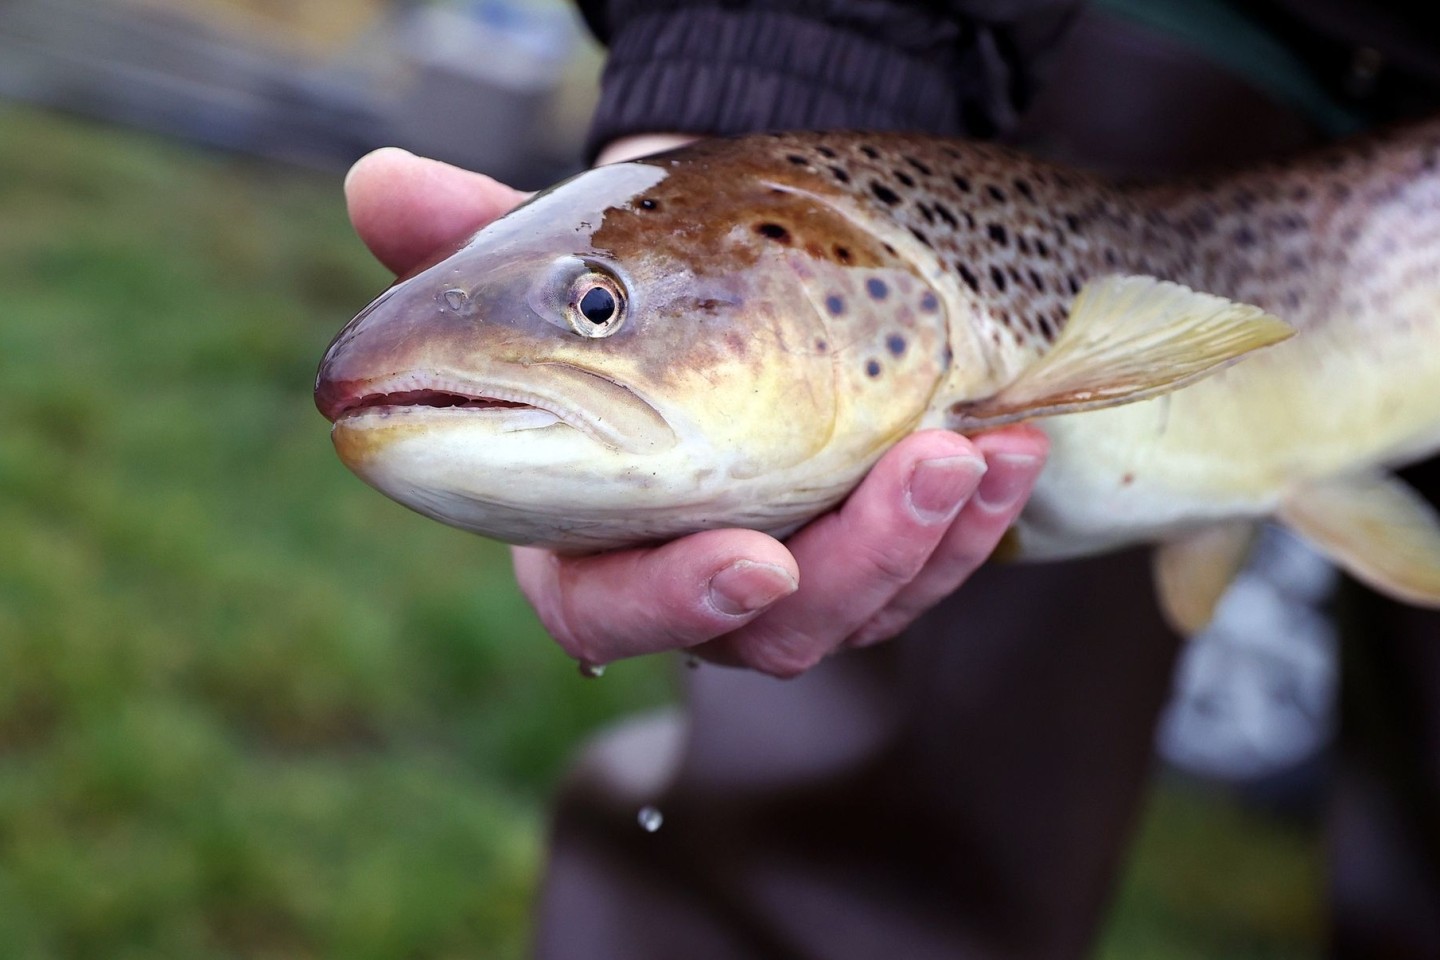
{"type": "Point", "coordinates": [1343, 244]}
{"type": "Point", "coordinates": [797, 302]}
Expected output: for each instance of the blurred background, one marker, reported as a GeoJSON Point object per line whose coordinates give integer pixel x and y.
{"type": "Point", "coordinates": [249, 708]}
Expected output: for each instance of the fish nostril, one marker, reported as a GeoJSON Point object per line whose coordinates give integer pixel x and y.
{"type": "Point", "coordinates": [456, 299]}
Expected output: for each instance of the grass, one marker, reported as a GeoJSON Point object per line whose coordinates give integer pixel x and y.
{"type": "Point", "coordinates": [248, 707]}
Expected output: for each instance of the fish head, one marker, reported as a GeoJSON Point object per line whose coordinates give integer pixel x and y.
{"type": "Point", "coordinates": [648, 349]}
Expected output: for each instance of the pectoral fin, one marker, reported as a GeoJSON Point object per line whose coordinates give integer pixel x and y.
{"type": "Point", "coordinates": [1128, 338]}
{"type": "Point", "coordinates": [1191, 574]}
{"type": "Point", "coordinates": [1376, 528]}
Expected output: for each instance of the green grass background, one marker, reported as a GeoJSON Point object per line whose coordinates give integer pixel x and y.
{"type": "Point", "coordinates": [250, 708]}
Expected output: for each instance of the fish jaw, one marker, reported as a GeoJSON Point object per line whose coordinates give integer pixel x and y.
{"type": "Point", "coordinates": [533, 449]}
{"type": "Point", "coordinates": [524, 474]}
{"type": "Point", "coordinates": [499, 399]}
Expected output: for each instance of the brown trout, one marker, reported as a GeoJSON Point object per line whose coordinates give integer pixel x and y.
{"type": "Point", "coordinates": [731, 334]}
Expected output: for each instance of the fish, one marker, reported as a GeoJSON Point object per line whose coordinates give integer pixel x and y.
{"type": "Point", "coordinates": [732, 333]}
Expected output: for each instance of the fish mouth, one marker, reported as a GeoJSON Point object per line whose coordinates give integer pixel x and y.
{"type": "Point", "coordinates": [506, 398]}
{"type": "Point", "coordinates": [393, 401]}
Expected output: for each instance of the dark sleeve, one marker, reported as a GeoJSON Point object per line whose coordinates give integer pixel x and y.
{"type": "Point", "coordinates": [730, 66]}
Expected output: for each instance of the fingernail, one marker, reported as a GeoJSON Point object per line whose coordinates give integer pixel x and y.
{"type": "Point", "coordinates": [746, 586]}
{"type": "Point", "coordinates": [1007, 480]}
{"type": "Point", "coordinates": [939, 487]}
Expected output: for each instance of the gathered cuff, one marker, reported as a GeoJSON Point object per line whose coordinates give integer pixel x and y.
{"type": "Point", "coordinates": [715, 71]}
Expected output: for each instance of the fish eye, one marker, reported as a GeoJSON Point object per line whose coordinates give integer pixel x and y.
{"type": "Point", "coordinates": [597, 305]}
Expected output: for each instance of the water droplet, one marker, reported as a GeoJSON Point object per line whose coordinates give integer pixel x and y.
{"type": "Point", "coordinates": [591, 671]}
{"type": "Point", "coordinates": [650, 819]}
{"type": "Point", "coordinates": [457, 298]}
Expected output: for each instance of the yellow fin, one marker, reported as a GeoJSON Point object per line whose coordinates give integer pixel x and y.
{"type": "Point", "coordinates": [1128, 338]}
{"type": "Point", "coordinates": [1376, 528]}
{"type": "Point", "coordinates": [1192, 574]}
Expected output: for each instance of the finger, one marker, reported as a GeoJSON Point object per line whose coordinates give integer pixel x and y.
{"type": "Point", "coordinates": [858, 557]}
{"type": "Point", "coordinates": [406, 207]}
{"type": "Point", "coordinates": [1014, 457]}
{"type": "Point", "coordinates": [612, 605]}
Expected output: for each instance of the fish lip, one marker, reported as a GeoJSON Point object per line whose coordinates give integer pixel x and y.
{"type": "Point", "coordinates": [505, 388]}
{"type": "Point", "coordinates": [388, 397]}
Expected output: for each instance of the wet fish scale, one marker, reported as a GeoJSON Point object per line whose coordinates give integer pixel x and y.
{"type": "Point", "coordinates": [785, 307]}
{"type": "Point", "coordinates": [1015, 231]}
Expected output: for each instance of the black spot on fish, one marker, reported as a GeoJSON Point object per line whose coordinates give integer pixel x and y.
{"type": "Point", "coordinates": [870, 151]}
{"type": "Point", "coordinates": [1245, 237]}
{"type": "Point", "coordinates": [1022, 243]}
{"type": "Point", "coordinates": [928, 302]}
{"type": "Point", "coordinates": [925, 211]}
{"type": "Point", "coordinates": [821, 346]}
{"type": "Point", "coordinates": [904, 177]}
{"type": "Point", "coordinates": [835, 304]}
{"type": "Point", "coordinates": [773, 231]}
{"type": "Point", "coordinates": [1072, 223]}
{"type": "Point", "coordinates": [997, 277]}
{"type": "Point", "coordinates": [1023, 187]}
{"type": "Point", "coordinates": [1074, 283]}
{"type": "Point", "coordinates": [798, 160]}
{"type": "Point", "coordinates": [876, 288]}
{"type": "Point", "coordinates": [918, 165]}
{"type": "Point", "coordinates": [943, 212]}
{"type": "Point", "coordinates": [995, 192]}
{"type": "Point", "coordinates": [883, 193]}
{"type": "Point", "coordinates": [968, 275]}
{"type": "Point", "coordinates": [647, 203]}
{"type": "Point", "coordinates": [843, 255]}
{"type": "Point", "coordinates": [920, 235]}
{"type": "Point", "coordinates": [825, 152]}
{"type": "Point", "coordinates": [872, 367]}
{"type": "Point", "coordinates": [1041, 250]}
{"type": "Point", "coordinates": [840, 174]}
{"type": "Point", "coordinates": [1111, 257]}
{"type": "Point", "coordinates": [1037, 281]}
{"type": "Point", "coordinates": [998, 234]}
{"type": "Point", "coordinates": [961, 183]}
{"type": "Point", "coordinates": [890, 249]}
{"type": "Point", "coordinates": [895, 344]}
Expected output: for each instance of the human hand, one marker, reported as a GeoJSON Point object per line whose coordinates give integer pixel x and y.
{"type": "Point", "coordinates": [927, 515]}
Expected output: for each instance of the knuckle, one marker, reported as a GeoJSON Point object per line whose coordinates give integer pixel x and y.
{"type": "Point", "coordinates": [895, 562]}
{"type": "Point", "coordinates": [885, 625]}
{"type": "Point", "coordinates": [784, 658]}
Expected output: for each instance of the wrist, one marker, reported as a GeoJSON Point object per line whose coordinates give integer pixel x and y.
{"type": "Point", "coordinates": [640, 145]}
